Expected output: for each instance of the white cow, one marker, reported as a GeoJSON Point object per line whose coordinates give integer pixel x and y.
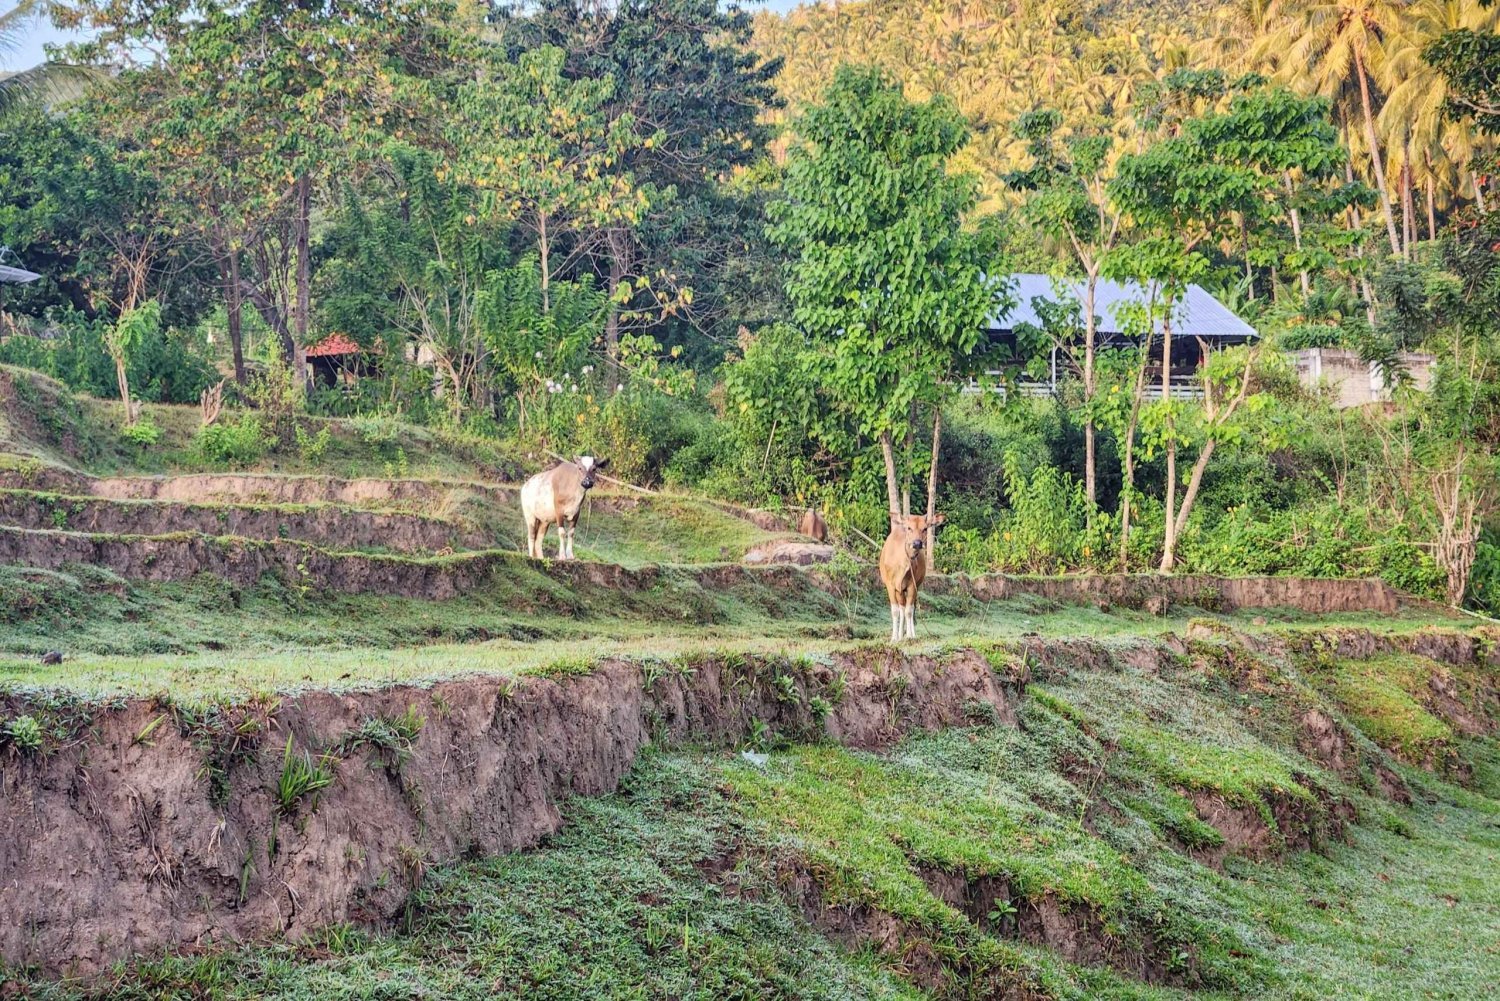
{"type": "Point", "coordinates": [556, 496]}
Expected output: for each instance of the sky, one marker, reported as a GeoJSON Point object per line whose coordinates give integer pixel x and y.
{"type": "Point", "coordinates": [40, 33]}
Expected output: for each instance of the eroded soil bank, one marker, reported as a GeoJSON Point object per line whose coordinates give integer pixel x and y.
{"type": "Point", "coordinates": [244, 561]}
{"type": "Point", "coordinates": [158, 826]}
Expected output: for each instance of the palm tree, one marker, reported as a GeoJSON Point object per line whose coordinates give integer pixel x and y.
{"type": "Point", "coordinates": [1341, 42]}
{"type": "Point", "coordinates": [1437, 150]}
{"type": "Point", "coordinates": [39, 83]}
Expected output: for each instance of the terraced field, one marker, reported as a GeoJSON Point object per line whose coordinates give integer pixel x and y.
{"type": "Point", "coordinates": [320, 734]}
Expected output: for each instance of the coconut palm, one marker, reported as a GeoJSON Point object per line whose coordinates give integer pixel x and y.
{"type": "Point", "coordinates": [1342, 45]}
{"type": "Point", "coordinates": [1435, 150]}
{"type": "Point", "coordinates": [39, 83]}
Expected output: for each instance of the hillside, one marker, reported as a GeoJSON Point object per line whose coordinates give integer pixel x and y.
{"type": "Point", "coordinates": [429, 767]}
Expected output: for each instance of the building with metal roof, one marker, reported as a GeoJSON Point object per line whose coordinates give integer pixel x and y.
{"type": "Point", "coordinates": [16, 276]}
{"type": "Point", "coordinates": [1197, 314]}
{"type": "Point", "coordinates": [1199, 322]}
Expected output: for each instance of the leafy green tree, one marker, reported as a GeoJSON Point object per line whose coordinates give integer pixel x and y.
{"type": "Point", "coordinates": [685, 73]}
{"type": "Point", "coordinates": [1181, 202]}
{"type": "Point", "coordinates": [884, 278]}
{"type": "Point", "coordinates": [543, 151]}
{"type": "Point", "coordinates": [317, 89]}
{"type": "Point", "coordinates": [33, 85]}
{"type": "Point", "coordinates": [1470, 60]}
{"type": "Point", "coordinates": [1068, 199]}
{"type": "Point", "coordinates": [137, 325]}
{"type": "Point", "coordinates": [535, 334]}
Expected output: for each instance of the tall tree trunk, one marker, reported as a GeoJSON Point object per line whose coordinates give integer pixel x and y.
{"type": "Point", "coordinates": [1090, 475]}
{"type": "Point", "coordinates": [932, 474]}
{"type": "Point", "coordinates": [907, 456]}
{"type": "Point", "coordinates": [893, 492]}
{"type": "Point", "coordinates": [1295, 215]}
{"type": "Point", "coordinates": [301, 322]}
{"type": "Point", "coordinates": [544, 246]}
{"type": "Point", "coordinates": [1431, 205]}
{"type": "Point", "coordinates": [1169, 543]}
{"type": "Point", "coordinates": [1375, 162]}
{"type": "Point", "coordinates": [1245, 251]}
{"type": "Point", "coordinates": [233, 303]}
{"type": "Point", "coordinates": [1128, 487]}
{"type": "Point", "coordinates": [618, 247]}
{"type": "Point", "coordinates": [1478, 192]}
{"type": "Point", "coordinates": [1408, 206]}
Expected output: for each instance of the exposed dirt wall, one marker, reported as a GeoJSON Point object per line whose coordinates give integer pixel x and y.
{"type": "Point", "coordinates": [324, 525]}
{"type": "Point", "coordinates": [168, 558]}
{"type": "Point", "coordinates": [1313, 595]}
{"type": "Point", "coordinates": [114, 844]}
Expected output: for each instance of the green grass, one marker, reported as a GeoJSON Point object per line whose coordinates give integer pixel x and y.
{"type": "Point", "coordinates": [677, 886]}
{"type": "Point", "coordinates": [1381, 696]}
{"type": "Point", "coordinates": [48, 423]}
{"type": "Point", "coordinates": [204, 635]}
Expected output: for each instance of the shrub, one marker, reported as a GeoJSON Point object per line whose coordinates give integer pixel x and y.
{"type": "Point", "coordinates": [238, 444]}
{"type": "Point", "coordinates": [167, 366]}
{"type": "Point", "coordinates": [144, 432]}
{"type": "Point", "coordinates": [312, 446]}
{"type": "Point", "coordinates": [24, 733]}
{"type": "Point", "coordinates": [279, 399]}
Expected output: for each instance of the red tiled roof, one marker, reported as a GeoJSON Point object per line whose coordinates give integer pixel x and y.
{"type": "Point", "coordinates": [334, 344]}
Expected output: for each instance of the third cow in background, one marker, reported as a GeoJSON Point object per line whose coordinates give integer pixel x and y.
{"type": "Point", "coordinates": [813, 526]}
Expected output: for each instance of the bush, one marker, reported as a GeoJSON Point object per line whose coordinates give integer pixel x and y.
{"type": "Point", "coordinates": [24, 733]}
{"type": "Point", "coordinates": [143, 432]}
{"type": "Point", "coordinates": [167, 366]}
{"type": "Point", "coordinates": [279, 399]}
{"type": "Point", "coordinates": [238, 444]}
{"type": "Point", "coordinates": [312, 446]}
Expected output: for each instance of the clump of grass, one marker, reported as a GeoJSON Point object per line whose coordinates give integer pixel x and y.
{"type": "Point", "coordinates": [301, 779]}
{"type": "Point", "coordinates": [392, 738]}
{"type": "Point", "coordinates": [22, 734]}
{"type": "Point", "coordinates": [228, 734]}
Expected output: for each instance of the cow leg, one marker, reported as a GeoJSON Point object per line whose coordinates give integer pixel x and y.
{"type": "Point", "coordinates": [562, 540]}
{"type": "Point", "coordinates": [911, 616]}
{"type": "Point", "coordinates": [894, 597]}
{"type": "Point", "coordinates": [572, 528]}
{"type": "Point", "coordinates": [533, 538]}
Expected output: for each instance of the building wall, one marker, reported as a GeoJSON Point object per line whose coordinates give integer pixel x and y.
{"type": "Point", "coordinates": [1353, 381]}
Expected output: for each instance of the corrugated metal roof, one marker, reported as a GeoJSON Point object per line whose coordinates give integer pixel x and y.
{"type": "Point", "coordinates": [17, 276]}
{"type": "Point", "coordinates": [1198, 314]}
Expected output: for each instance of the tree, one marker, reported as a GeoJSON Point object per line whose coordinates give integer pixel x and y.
{"type": "Point", "coordinates": [317, 89]}
{"type": "Point", "coordinates": [884, 279]}
{"type": "Point", "coordinates": [35, 84]}
{"type": "Point", "coordinates": [1182, 200]}
{"type": "Point", "coordinates": [686, 75]}
{"type": "Point", "coordinates": [1469, 61]}
{"type": "Point", "coordinates": [543, 151]}
{"type": "Point", "coordinates": [1069, 200]}
{"type": "Point", "coordinates": [136, 325]}
{"type": "Point", "coordinates": [1339, 42]}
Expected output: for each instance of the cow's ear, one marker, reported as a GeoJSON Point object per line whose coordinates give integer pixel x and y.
{"type": "Point", "coordinates": [601, 463]}
{"type": "Point", "coordinates": [895, 517]}
{"type": "Point", "coordinates": [937, 519]}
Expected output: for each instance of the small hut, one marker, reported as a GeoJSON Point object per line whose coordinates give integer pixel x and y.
{"type": "Point", "coordinates": [337, 360]}
{"type": "Point", "coordinates": [11, 276]}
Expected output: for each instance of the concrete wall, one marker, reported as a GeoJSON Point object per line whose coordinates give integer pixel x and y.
{"type": "Point", "coordinates": [1353, 381]}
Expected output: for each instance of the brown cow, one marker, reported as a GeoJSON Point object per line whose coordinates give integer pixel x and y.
{"type": "Point", "coordinates": [813, 526]}
{"type": "Point", "coordinates": [903, 564]}
{"type": "Point", "coordinates": [555, 496]}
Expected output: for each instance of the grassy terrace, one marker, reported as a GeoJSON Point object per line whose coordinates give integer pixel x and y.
{"type": "Point", "coordinates": [205, 636]}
